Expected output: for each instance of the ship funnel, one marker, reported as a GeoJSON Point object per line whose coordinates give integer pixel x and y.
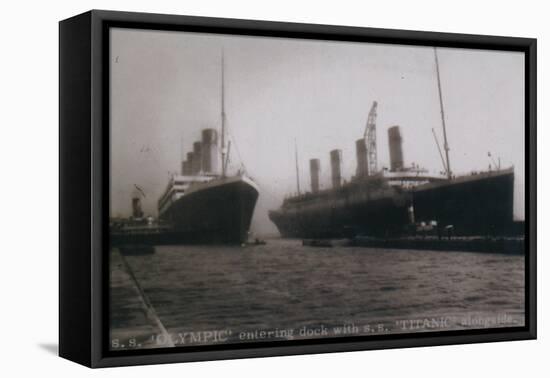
{"type": "Point", "coordinates": [184, 168]}
{"type": "Point", "coordinates": [336, 166]}
{"type": "Point", "coordinates": [362, 160]}
{"type": "Point", "coordinates": [314, 168]}
{"type": "Point", "coordinates": [209, 151]}
{"type": "Point", "coordinates": [396, 151]}
{"type": "Point", "coordinates": [190, 159]}
{"type": "Point", "coordinates": [136, 207]}
{"type": "Point", "coordinates": [197, 157]}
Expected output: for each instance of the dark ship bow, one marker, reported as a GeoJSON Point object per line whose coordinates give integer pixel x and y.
{"type": "Point", "coordinates": [219, 211]}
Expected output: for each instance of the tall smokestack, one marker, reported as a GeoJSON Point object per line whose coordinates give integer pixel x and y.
{"type": "Point", "coordinates": [362, 160]}
{"type": "Point", "coordinates": [210, 151]}
{"type": "Point", "coordinates": [184, 168]}
{"type": "Point", "coordinates": [136, 207]}
{"type": "Point", "coordinates": [190, 159]}
{"type": "Point", "coordinates": [396, 151]}
{"type": "Point", "coordinates": [187, 166]}
{"type": "Point", "coordinates": [314, 168]}
{"type": "Point", "coordinates": [336, 166]}
{"type": "Point", "coordinates": [197, 157]}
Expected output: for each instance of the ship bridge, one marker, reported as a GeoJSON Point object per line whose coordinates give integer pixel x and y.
{"type": "Point", "coordinates": [177, 186]}
{"type": "Point", "coordinates": [411, 177]}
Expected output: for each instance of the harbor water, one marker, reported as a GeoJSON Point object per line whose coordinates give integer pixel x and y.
{"type": "Point", "coordinates": [283, 291]}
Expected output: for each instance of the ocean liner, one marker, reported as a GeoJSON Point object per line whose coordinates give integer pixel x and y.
{"type": "Point", "coordinates": [398, 200]}
{"type": "Point", "coordinates": [203, 205]}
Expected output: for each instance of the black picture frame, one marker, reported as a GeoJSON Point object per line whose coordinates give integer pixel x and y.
{"type": "Point", "coordinates": [84, 167]}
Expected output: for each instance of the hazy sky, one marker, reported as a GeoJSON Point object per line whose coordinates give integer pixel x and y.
{"type": "Point", "coordinates": [165, 88]}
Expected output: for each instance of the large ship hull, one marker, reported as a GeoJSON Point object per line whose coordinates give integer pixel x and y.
{"type": "Point", "coordinates": [475, 205]}
{"type": "Point", "coordinates": [344, 213]}
{"type": "Point", "coordinates": [219, 211]}
{"type": "Point", "coordinates": [480, 204]}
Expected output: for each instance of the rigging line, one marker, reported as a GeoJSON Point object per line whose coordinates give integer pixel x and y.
{"type": "Point", "coordinates": [266, 190]}
{"type": "Point", "coordinates": [440, 153]}
{"type": "Point", "coordinates": [241, 161]}
{"type": "Point", "coordinates": [236, 148]}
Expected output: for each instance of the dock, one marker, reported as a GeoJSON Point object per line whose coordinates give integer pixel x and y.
{"type": "Point", "coordinates": [133, 318]}
{"type": "Point", "coordinates": [501, 245]}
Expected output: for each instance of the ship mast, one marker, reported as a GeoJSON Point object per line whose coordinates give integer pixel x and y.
{"type": "Point", "coordinates": [297, 170]}
{"type": "Point", "coordinates": [445, 143]}
{"type": "Point", "coordinates": [223, 117]}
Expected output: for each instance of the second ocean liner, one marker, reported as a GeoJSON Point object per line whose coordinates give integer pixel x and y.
{"type": "Point", "coordinates": [400, 200]}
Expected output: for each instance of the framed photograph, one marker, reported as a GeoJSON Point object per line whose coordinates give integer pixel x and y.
{"type": "Point", "coordinates": [234, 188]}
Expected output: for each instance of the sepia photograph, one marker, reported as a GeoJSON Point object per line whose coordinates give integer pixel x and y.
{"type": "Point", "coordinates": [269, 189]}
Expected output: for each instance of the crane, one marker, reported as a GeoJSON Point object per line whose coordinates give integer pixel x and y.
{"type": "Point", "coordinates": [370, 140]}
{"type": "Point", "coordinates": [445, 142]}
